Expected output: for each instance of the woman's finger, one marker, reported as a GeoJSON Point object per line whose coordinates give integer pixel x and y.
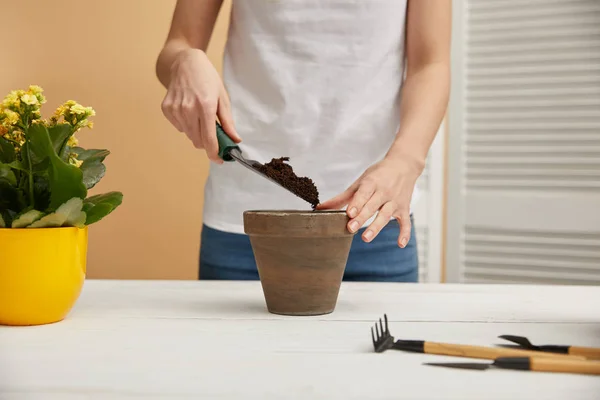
{"type": "Point", "coordinates": [360, 198]}
{"type": "Point", "coordinates": [168, 109]}
{"type": "Point", "coordinates": [209, 133]}
{"type": "Point", "coordinates": [339, 201]}
{"type": "Point", "coordinates": [366, 211]}
{"type": "Point", "coordinates": [405, 229]}
{"type": "Point", "coordinates": [226, 119]}
{"type": "Point", "coordinates": [192, 126]}
{"type": "Point", "coordinates": [383, 218]}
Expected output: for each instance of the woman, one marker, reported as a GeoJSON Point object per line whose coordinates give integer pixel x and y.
{"type": "Point", "coordinates": [352, 91]}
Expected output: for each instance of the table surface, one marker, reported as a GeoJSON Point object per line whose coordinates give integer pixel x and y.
{"type": "Point", "coordinates": [203, 340]}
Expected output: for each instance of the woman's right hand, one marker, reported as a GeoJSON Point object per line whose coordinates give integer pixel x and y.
{"type": "Point", "coordinates": [195, 97]}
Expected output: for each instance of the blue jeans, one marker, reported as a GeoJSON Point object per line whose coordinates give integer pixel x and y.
{"type": "Point", "coordinates": [229, 256]}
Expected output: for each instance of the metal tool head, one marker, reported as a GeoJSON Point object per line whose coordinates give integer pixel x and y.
{"type": "Point", "coordinates": [524, 343]}
{"type": "Point", "coordinates": [462, 365]}
{"type": "Point", "coordinates": [514, 363]}
{"type": "Point", "coordinates": [382, 338]}
{"type": "Point", "coordinates": [521, 341]}
{"type": "Point", "coordinates": [254, 166]}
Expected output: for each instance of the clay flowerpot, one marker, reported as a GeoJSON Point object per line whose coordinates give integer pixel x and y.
{"type": "Point", "coordinates": [41, 273]}
{"type": "Point", "coordinates": [301, 257]}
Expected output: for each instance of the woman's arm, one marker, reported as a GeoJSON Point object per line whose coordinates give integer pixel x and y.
{"type": "Point", "coordinates": [191, 27]}
{"type": "Point", "coordinates": [427, 85]}
{"type": "Point", "coordinates": [195, 93]}
{"type": "Point", "coordinates": [386, 188]}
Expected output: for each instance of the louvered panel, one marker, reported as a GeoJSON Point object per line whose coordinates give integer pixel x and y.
{"type": "Point", "coordinates": [506, 5]}
{"type": "Point", "coordinates": [504, 37]}
{"type": "Point", "coordinates": [536, 54]}
{"type": "Point", "coordinates": [544, 48]}
{"type": "Point", "coordinates": [529, 141]}
{"type": "Point", "coordinates": [496, 255]}
{"type": "Point", "coordinates": [533, 102]}
{"type": "Point", "coordinates": [521, 137]}
{"type": "Point", "coordinates": [570, 92]}
{"type": "Point", "coordinates": [502, 7]}
{"type": "Point", "coordinates": [423, 250]}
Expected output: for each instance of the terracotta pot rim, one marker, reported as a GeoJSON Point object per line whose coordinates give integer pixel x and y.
{"type": "Point", "coordinates": [296, 223]}
{"type": "Point", "coordinates": [295, 212]}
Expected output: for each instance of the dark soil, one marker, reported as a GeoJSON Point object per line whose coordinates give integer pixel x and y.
{"type": "Point", "coordinates": [283, 173]}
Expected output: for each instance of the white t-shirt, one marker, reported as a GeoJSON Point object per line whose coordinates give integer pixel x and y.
{"type": "Point", "coordinates": [318, 81]}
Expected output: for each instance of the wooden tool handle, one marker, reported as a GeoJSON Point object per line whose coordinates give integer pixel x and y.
{"type": "Point", "coordinates": [587, 352]}
{"type": "Point", "coordinates": [489, 353]}
{"type": "Point", "coordinates": [562, 365]}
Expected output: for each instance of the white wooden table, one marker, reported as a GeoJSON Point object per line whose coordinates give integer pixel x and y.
{"type": "Point", "coordinates": [204, 340]}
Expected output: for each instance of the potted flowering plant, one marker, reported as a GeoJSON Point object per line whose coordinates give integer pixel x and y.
{"type": "Point", "coordinates": [44, 206]}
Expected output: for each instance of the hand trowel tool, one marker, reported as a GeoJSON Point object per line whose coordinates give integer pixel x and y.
{"type": "Point", "coordinates": [229, 151]}
{"type": "Point", "coordinates": [530, 364]}
{"type": "Point", "coordinates": [592, 353]}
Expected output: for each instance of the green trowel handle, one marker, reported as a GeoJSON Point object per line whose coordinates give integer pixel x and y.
{"type": "Point", "coordinates": [225, 144]}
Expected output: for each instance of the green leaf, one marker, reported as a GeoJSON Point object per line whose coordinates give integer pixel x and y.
{"type": "Point", "coordinates": [41, 166]}
{"type": "Point", "coordinates": [7, 217]}
{"type": "Point", "coordinates": [41, 191]}
{"type": "Point", "coordinates": [7, 151]}
{"type": "Point", "coordinates": [2, 223]}
{"type": "Point", "coordinates": [53, 220]}
{"type": "Point", "coordinates": [7, 173]}
{"type": "Point", "coordinates": [68, 214]}
{"type": "Point", "coordinates": [18, 166]}
{"type": "Point", "coordinates": [65, 180]}
{"type": "Point", "coordinates": [99, 206]}
{"type": "Point", "coordinates": [36, 158]}
{"type": "Point", "coordinates": [27, 218]}
{"type": "Point", "coordinates": [72, 209]}
{"type": "Point", "coordinates": [59, 135]}
{"type": "Point", "coordinates": [11, 197]}
{"type": "Point", "coordinates": [93, 169]}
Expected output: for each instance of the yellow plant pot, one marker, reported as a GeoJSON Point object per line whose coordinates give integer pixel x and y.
{"type": "Point", "coordinates": [41, 273]}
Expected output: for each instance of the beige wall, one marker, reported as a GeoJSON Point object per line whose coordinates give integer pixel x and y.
{"type": "Point", "coordinates": [102, 54]}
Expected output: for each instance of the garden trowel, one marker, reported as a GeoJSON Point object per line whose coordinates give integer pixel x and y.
{"type": "Point", "coordinates": [230, 151]}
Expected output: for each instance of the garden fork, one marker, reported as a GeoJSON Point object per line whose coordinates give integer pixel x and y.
{"type": "Point", "coordinates": [383, 340]}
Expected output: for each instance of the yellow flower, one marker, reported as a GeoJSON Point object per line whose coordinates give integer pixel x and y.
{"type": "Point", "coordinates": [37, 92]}
{"type": "Point", "coordinates": [78, 109]}
{"type": "Point", "coordinates": [16, 136]}
{"type": "Point", "coordinates": [86, 124]}
{"type": "Point", "coordinates": [30, 99]}
{"type": "Point", "coordinates": [12, 100]}
{"type": "Point", "coordinates": [40, 122]}
{"type": "Point", "coordinates": [11, 117]}
{"type": "Point", "coordinates": [72, 142]}
{"type": "Point", "coordinates": [74, 161]}
{"type": "Point", "coordinates": [35, 89]}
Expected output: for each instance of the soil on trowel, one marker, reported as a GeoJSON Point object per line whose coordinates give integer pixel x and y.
{"type": "Point", "coordinates": [284, 174]}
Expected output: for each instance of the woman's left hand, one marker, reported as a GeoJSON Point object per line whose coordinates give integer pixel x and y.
{"type": "Point", "coordinates": [384, 189]}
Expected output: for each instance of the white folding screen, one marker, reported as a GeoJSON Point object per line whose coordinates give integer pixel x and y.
{"type": "Point", "coordinates": [524, 142]}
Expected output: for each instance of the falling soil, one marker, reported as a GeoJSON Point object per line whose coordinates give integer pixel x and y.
{"type": "Point", "coordinates": [283, 173]}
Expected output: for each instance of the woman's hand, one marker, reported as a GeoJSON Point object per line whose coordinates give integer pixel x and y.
{"type": "Point", "coordinates": [195, 98]}
{"type": "Point", "coordinates": [384, 189]}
